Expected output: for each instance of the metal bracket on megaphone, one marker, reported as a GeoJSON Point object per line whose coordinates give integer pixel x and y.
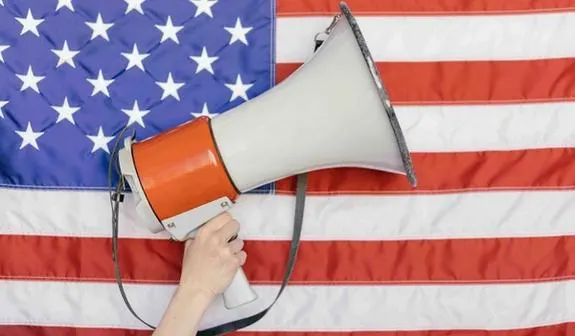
{"type": "Point", "coordinates": [321, 36]}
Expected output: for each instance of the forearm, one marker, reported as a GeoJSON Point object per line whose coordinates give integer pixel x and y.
{"type": "Point", "coordinates": [184, 313]}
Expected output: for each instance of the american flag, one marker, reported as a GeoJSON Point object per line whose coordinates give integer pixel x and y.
{"type": "Point", "coordinates": [483, 90]}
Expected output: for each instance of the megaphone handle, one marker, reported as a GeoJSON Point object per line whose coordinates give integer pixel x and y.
{"type": "Point", "coordinates": [239, 292]}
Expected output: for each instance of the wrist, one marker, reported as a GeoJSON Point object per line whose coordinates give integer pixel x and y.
{"type": "Point", "coordinates": [185, 311]}
{"type": "Point", "coordinates": [193, 292]}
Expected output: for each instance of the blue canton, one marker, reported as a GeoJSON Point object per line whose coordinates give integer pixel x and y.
{"type": "Point", "coordinates": [74, 73]}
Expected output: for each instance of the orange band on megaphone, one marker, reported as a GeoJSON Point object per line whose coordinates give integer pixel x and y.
{"type": "Point", "coordinates": [181, 169]}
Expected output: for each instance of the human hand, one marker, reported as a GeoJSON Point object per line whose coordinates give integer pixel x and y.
{"type": "Point", "coordinates": [210, 261]}
{"type": "Point", "coordinates": [209, 264]}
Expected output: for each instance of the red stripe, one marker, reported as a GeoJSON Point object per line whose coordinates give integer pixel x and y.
{"type": "Point", "coordinates": [564, 329]}
{"type": "Point", "coordinates": [417, 7]}
{"type": "Point", "coordinates": [469, 82]}
{"type": "Point", "coordinates": [319, 262]}
{"type": "Point", "coordinates": [451, 172]}
{"type": "Point", "coordinates": [25, 330]}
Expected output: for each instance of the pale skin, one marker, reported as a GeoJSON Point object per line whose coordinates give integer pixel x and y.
{"type": "Point", "coordinates": [209, 264]}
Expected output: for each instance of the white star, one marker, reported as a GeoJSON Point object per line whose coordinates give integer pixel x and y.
{"type": "Point", "coordinates": [204, 6]}
{"type": "Point", "coordinates": [239, 89]}
{"type": "Point", "coordinates": [204, 61]}
{"type": "Point", "coordinates": [100, 141]}
{"type": "Point", "coordinates": [170, 87]}
{"type": "Point", "coordinates": [169, 31]}
{"type": "Point", "coordinates": [2, 104]}
{"type": "Point", "coordinates": [66, 55]}
{"type": "Point", "coordinates": [99, 28]}
{"type": "Point", "coordinates": [238, 32]}
{"type": "Point", "coordinates": [65, 3]}
{"type": "Point", "coordinates": [205, 112]}
{"type": "Point", "coordinates": [29, 137]}
{"type": "Point", "coordinates": [29, 80]}
{"type": "Point", "coordinates": [2, 48]}
{"type": "Point", "coordinates": [135, 58]}
{"type": "Point", "coordinates": [100, 84]}
{"type": "Point", "coordinates": [135, 114]}
{"type": "Point", "coordinates": [134, 5]}
{"type": "Point", "coordinates": [29, 24]}
{"type": "Point", "coordinates": [65, 111]}
{"type": "Point", "coordinates": [2, 2]}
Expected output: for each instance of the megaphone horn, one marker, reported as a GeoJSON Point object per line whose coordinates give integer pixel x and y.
{"type": "Point", "coordinates": [331, 112]}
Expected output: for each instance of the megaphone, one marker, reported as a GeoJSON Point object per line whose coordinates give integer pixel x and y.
{"type": "Point", "coordinates": [333, 111]}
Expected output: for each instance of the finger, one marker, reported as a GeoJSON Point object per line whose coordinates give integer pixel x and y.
{"type": "Point", "coordinates": [218, 222]}
{"type": "Point", "coordinates": [242, 257]}
{"type": "Point", "coordinates": [229, 230]}
{"type": "Point", "coordinates": [236, 245]}
{"type": "Point", "coordinates": [187, 244]}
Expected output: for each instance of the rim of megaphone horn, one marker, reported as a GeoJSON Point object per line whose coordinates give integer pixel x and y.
{"type": "Point", "coordinates": [383, 94]}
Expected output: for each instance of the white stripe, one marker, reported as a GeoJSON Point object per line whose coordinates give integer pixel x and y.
{"type": "Point", "coordinates": [373, 217]}
{"type": "Point", "coordinates": [455, 128]}
{"type": "Point", "coordinates": [303, 308]}
{"type": "Point", "coordinates": [465, 37]}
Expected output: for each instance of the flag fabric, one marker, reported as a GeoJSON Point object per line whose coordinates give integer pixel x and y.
{"type": "Point", "coordinates": [483, 89]}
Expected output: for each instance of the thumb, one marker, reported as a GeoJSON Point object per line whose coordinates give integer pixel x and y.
{"type": "Point", "coordinates": [188, 243]}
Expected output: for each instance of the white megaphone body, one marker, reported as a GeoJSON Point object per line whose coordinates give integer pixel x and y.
{"type": "Point", "coordinates": [331, 112]}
